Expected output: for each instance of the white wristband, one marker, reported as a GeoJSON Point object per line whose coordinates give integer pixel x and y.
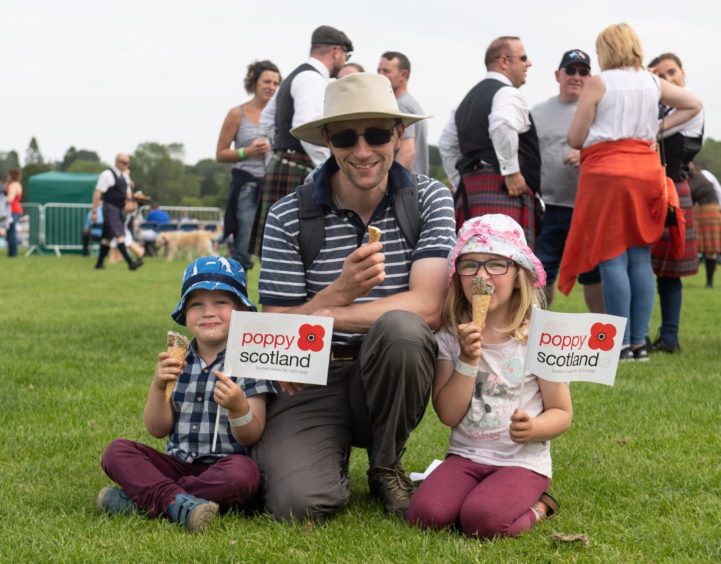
{"type": "Point", "coordinates": [241, 421]}
{"type": "Point", "coordinates": [466, 369]}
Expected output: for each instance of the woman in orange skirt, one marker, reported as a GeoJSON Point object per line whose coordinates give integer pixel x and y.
{"type": "Point", "coordinates": [621, 201]}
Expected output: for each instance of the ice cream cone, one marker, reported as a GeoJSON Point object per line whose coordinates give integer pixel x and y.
{"type": "Point", "coordinates": [482, 293]}
{"type": "Point", "coordinates": [177, 347]}
{"type": "Point", "coordinates": [374, 234]}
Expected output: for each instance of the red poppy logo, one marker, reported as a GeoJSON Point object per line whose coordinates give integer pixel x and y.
{"type": "Point", "coordinates": [602, 335]}
{"type": "Point", "coordinates": [311, 337]}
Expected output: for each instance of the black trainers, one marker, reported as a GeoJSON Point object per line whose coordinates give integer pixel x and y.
{"type": "Point", "coordinates": [661, 345]}
{"type": "Point", "coordinates": [136, 264]}
{"type": "Point", "coordinates": [392, 486]}
{"type": "Point", "coordinates": [626, 354]}
{"type": "Point", "coordinates": [640, 354]}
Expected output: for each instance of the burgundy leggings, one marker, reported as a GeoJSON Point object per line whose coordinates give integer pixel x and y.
{"type": "Point", "coordinates": [153, 479]}
{"type": "Point", "coordinates": [485, 501]}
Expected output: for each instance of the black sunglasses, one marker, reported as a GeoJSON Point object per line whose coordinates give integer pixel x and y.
{"type": "Point", "coordinates": [522, 58]}
{"type": "Point", "coordinates": [349, 137]}
{"type": "Point", "coordinates": [570, 71]}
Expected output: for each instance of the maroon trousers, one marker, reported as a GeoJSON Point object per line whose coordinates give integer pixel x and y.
{"type": "Point", "coordinates": [152, 479]}
{"type": "Point", "coordinates": [485, 501]}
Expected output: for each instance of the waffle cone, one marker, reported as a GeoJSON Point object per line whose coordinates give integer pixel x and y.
{"type": "Point", "coordinates": [480, 309]}
{"type": "Point", "coordinates": [374, 234]}
{"type": "Point", "coordinates": [178, 348]}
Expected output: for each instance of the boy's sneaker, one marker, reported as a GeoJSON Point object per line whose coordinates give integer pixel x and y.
{"type": "Point", "coordinates": [114, 501]}
{"type": "Point", "coordinates": [192, 512]}
{"type": "Point", "coordinates": [392, 486]}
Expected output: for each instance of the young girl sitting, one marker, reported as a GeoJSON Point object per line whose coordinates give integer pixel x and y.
{"type": "Point", "coordinates": [498, 466]}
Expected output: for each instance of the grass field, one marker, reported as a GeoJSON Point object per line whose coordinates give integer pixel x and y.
{"type": "Point", "coordinates": [638, 472]}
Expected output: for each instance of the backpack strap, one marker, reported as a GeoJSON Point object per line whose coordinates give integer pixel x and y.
{"type": "Point", "coordinates": [408, 216]}
{"type": "Point", "coordinates": [311, 225]}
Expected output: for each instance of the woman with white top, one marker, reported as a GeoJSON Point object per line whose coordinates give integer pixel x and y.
{"type": "Point", "coordinates": [621, 201]}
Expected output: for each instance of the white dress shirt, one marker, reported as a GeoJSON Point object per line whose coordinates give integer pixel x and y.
{"type": "Point", "coordinates": [106, 180]}
{"type": "Point", "coordinates": [509, 117]}
{"type": "Point", "coordinates": [308, 93]}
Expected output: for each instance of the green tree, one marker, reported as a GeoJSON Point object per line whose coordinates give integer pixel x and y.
{"type": "Point", "coordinates": [158, 170]}
{"type": "Point", "coordinates": [72, 155]}
{"type": "Point", "coordinates": [710, 157]}
{"type": "Point", "coordinates": [82, 165]}
{"type": "Point", "coordinates": [8, 160]}
{"type": "Point", "coordinates": [32, 153]}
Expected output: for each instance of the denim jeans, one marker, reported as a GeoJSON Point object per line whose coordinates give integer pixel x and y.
{"type": "Point", "coordinates": [628, 291]}
{"type": "Point", "coordinates": [244, 216]}
{"type": "Point", "coordinates": [12, 235]}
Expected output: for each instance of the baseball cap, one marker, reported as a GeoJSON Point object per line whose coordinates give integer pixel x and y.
{"type": "Point", "coordinates": [327, 35]}
{"type": "Point", "coordinates": [575, 56]}
{"type": "Point", "coordinates": [212, 273]}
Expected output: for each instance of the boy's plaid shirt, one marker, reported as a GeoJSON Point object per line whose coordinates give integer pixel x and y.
{"type": "Point", "coordinates": [195, 409]}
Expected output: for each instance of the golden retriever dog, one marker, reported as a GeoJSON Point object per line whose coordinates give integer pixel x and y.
{"type": "Point", "coordinates": [197, 243]}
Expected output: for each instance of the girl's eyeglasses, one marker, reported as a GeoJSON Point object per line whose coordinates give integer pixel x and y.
{"type": "Point", "coordinates": [494, 267]}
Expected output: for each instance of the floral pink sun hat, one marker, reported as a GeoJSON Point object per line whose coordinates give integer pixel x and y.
{"type": "Point", "coordinates": [497, 234]}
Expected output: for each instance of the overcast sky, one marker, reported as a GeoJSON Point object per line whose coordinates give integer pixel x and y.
{"type": "Point", "coordinates": [107, 76]}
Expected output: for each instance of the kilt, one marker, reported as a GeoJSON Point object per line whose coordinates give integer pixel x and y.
{"type": "Point", "coordinates": [707, 220]}
{"type": "Point", "coordinates": [687, 265]}
{"type": "Point", "coordinates": [284, 173]}
{"type": "Point", "coordinates": [113, 222]}
{"type": "Point", "coordinates": [485, 192]}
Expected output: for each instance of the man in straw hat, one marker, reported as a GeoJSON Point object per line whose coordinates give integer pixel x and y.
{"type": "Point", "coordinates": [385, 298]}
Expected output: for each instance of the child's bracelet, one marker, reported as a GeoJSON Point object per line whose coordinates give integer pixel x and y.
{"type": "Point", "coordinates": [241, 421]}
{"type": "Point", "coordinates": [466, 369]}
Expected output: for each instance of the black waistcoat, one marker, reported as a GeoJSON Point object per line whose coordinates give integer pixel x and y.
{"type": "Point", "coordinates": [475, 142]}
{"type": "Point", "coordinates": [284, 110]}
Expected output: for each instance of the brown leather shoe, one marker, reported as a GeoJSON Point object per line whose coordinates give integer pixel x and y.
{"type": "Point", "coordinates": [392, 486]}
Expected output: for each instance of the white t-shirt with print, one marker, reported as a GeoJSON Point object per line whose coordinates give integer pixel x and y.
{"type": "Point", "coordinates": [483, 434]}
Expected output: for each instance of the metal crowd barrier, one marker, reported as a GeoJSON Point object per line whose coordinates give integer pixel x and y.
{"type": "Point", "coordinates": [59, 227]}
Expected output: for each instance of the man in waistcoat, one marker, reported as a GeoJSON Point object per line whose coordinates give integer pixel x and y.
{"type": "Point", "coordinates": [496, 148]}
{"type": "Point", "coordinates": [413, 152]}
{"type": "Point", "coordinates": [298, 100]}
{"type": "Point", "coordinates": [113, 190]}
{"type": "Point", "coordinates": [559, 174]}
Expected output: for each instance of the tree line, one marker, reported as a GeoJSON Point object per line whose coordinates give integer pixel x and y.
{"type": "Point", "coordinates": [159, 171]}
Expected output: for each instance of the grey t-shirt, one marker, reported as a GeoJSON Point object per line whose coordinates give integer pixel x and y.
{"type": "Point", "coordinates": [418, 131]}
{"type": "Point", "coordinates": [558, 181]}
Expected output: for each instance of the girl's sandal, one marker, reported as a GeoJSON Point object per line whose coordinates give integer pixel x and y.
{"type": "Point", "coordinates": [551, 507]}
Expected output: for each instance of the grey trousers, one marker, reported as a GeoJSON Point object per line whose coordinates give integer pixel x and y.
{"type": "Point", "coordinates": [373, 402]}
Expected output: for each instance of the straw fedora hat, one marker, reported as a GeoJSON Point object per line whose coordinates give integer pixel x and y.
{"type": "Point", "coordinates": [360, 95]}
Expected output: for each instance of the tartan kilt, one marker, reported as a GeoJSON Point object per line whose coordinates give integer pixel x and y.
{"type": "Point", "coordinates": [707, 218]}
{"type": "Point", "coordinates": [687, 265]}
{"type": "Point", "coordinates": [284, 173]}
{"type": "Point", "coordinates": [486, 193]}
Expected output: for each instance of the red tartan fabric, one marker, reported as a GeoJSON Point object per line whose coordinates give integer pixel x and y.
{"type": "Point", "coordinates": [486, 194]}
{"type": "Point", "coordinates": [284, 173]}
{"type": "Point", "coordinates": [707, 222]}
{"type": "Point", "coordinates": [620, 203]}
{"type": "Point", "coordinates": [666, 263]}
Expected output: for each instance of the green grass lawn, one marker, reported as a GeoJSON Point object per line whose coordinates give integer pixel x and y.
{"type": "Point", "coordinates": [638, 472]}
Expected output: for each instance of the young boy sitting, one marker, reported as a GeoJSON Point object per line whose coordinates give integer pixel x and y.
{"type": "Point", "coordinates": [190, 483]}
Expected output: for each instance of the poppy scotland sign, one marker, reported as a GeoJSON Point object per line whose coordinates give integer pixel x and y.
{"type": "Point", "coordinates": [570, 347]}
{"type": "Point", "coordinates": [279, 346]}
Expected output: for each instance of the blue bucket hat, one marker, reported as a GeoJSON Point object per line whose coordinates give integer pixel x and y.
{"type": "Point", "coordinates": [212, 273]}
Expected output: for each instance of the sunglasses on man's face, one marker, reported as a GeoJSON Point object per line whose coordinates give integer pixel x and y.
{"type": "Point", "coordinates": [349, 137]}
{"type": "Point", "coordinates": [570, 71]}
